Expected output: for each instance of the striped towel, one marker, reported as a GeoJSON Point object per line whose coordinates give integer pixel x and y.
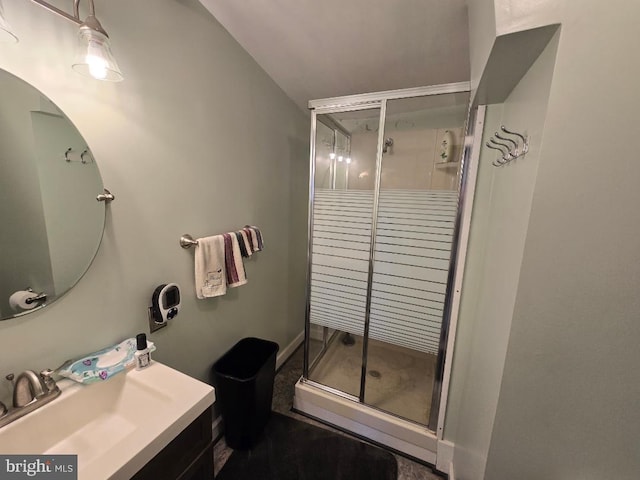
{"type": "Point", "coordinates": [256, 237]}
{"type": "Point", "coordinates": [234, 267]}
{"type": "Point", "coordinates": [252, 241]}
{"type": "Point", "coordinates": [243, 241]}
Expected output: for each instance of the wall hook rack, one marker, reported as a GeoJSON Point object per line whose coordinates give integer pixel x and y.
{"type": "Point", "coordinates": [85, 153]}
{"type": "Point", "coordinates": [85, 156]}
{"type": "Point", "coordinates": [510, 147]}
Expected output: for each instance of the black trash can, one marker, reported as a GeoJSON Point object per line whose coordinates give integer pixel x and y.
{"type": "Point", "coordinates": [243, 378]}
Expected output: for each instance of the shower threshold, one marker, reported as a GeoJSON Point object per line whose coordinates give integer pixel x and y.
{"type": "Point", "coordinates": [403, 436]}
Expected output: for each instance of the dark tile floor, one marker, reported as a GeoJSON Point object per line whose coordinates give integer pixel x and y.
{"type": "Point", "coordinates": [283, 390]}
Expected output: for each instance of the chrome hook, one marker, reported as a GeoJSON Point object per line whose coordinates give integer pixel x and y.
{"type": "Point", "coordinates": [66, 154]}
{"type": "Point", "coordinates": [515, 144]}
{"type": "Point", "coordinates": [507, 155]}
{"type": "Point", "coordinates": [495, 142]}
{"type": "Point", "coordinates": [502, 127]}
{"type": "Point", "coordinates": [497, 162]}
{"type": "Point", "coordinates": [497, 148]}
{"type": "Point", "coordinates": [86, 151]}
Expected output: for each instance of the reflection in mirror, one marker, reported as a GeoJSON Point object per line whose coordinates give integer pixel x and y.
{"type": "Point", "coordinates": [51, 222]}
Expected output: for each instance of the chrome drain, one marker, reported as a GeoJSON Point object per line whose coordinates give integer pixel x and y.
{"type": "Point", "coordinates": [375, 373]}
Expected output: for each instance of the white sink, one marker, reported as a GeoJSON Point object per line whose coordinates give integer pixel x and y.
{"type": "Point", "coordinates": [116, 426]}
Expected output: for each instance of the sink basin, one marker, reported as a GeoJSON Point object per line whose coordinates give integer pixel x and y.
{"type": "Point", "coordinates": [116, 426]}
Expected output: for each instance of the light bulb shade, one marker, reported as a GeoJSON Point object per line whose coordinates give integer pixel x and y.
{"type": "Point", "coordinates": [332, 155]}
{"type": "Point", "coordinates": [6, 34]}
{"type": "Point", "coordinates": [94, 58]}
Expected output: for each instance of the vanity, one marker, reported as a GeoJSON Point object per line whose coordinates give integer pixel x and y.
{"type": "Point", "coordinates": [149, 424]}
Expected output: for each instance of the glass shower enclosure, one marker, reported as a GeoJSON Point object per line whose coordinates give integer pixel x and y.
{"type": "Point", "coordinates": [385, 180]}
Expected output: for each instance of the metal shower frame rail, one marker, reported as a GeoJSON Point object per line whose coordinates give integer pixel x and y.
{"type": "Point", "coordinates": [364, 102]}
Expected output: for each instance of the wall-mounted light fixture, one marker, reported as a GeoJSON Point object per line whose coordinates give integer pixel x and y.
{"type": "Point", "coordinates": [93, 55]}
{"type": "Point", "coordinates": [6, 34]}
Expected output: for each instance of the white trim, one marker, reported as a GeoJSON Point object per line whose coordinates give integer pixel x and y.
{"type": "Point", "coordinates": [452, 474]}
{"type": "Point", "coordinates": [380, 427]}
{"type": "Point", "coordinates": [463, 242]}
{"type": "Point", "coordinates": [357, 107]}
{"type": "Point", "coordinates": [335, 102]}
{"type": "Point", "coordinates": [444, 456]}
{"type": "Point", "coordinates": [287, 351]}
{"type": "Point", "coordinates": [332, 391]}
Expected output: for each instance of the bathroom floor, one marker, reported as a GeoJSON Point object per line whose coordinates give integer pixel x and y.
{"type": "Point", "coordinates": [283, 391]}
{"type": "Point", "coordinates": [399, 380]}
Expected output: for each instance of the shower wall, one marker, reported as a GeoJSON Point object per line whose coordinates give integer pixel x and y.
{"type": "Point", "coordinates": [413, 162]}
{"type": "Point", "coordinates": [324, 146]}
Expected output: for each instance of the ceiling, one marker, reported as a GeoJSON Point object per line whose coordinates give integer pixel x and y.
{"type": "Point", "coordinates": [325, 48]}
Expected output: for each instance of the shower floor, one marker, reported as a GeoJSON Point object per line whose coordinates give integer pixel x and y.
{"type": "Point", "coordinates": [399, 380]}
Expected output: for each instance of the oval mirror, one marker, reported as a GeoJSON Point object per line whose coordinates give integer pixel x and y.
{"type": "Point", "coordinates": [51, 222]}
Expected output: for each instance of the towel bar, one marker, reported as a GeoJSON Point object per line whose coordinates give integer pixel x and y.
{"type": "Point", "coordinates": [187, 241]}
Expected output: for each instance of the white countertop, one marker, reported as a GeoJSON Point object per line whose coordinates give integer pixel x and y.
{"type": "Point", "coordinates": [116, 426]}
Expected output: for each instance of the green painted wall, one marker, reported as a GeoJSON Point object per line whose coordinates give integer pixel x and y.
{"type": "Point", "coordinates": [197, 139]}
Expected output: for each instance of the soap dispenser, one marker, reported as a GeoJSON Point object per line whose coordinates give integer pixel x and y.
{"type": "Point", "coordinates": [142, 355]}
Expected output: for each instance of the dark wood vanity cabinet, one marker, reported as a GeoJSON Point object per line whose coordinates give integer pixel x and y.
{"type": "Point", "coordinates": [189, 456]}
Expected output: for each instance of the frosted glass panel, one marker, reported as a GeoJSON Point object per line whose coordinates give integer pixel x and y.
{"type": "Point", "coordinates": [341, 239]}
{"type": "Point", "coordinates": [417, 210]}
{"type": "Point", "coordinates": [410, 272]}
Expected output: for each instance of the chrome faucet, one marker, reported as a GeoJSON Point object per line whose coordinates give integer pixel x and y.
{"type": "Point", "coordinates": [28, 387]}
{"type": "Point", "coordinates": [30, 392]}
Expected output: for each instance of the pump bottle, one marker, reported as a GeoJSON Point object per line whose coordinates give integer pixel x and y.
{"type": "Point", "coordinates": [142, 355]}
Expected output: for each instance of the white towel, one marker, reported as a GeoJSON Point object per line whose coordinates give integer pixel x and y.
{"type": "Point", "coordinates": [211, 280]}
{"type": "Point", "coordinates": [236, 275]}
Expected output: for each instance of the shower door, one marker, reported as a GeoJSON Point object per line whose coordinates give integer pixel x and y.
{"type": "Point", "coordinates": [341, 239]}
{"type": "Point", "coordinates": [385, 178]}
{"type": "Point", "coordinates": [416, 216]}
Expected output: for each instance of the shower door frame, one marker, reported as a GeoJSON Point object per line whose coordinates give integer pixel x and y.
{"type": "Point", "coordinates": [466, 187]}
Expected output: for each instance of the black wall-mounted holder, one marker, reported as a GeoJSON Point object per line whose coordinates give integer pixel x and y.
{"type": "Point", "coordinates": [153, 325]}
{"type": "Point", "coordinates": [165, 305]}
